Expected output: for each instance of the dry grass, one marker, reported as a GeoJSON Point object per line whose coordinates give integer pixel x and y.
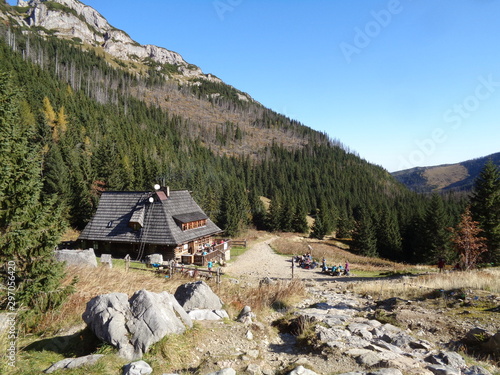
{"type": "Point", "coordinates": [445, 175]}
{"type": "Point", "coordinates": [487, 280]}
{"type": "Point", "coordinates": [277, 295]}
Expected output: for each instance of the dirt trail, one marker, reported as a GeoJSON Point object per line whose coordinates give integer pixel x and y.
{"type": "Point", "coordinates": [260, 261]}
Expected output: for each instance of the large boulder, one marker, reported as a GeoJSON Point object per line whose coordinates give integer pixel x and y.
{"type": "Point", "coordinates": [134, 325]}
{"type": "Point", "coordinates": [81, 258]}
{"type": "Point", "coordinates": [197, 295]}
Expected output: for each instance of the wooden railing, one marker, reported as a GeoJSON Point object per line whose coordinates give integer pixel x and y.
{"type": "Point", "coordinates": [214, 256]}
{"type": "Point", "coordinates": [241, 243]}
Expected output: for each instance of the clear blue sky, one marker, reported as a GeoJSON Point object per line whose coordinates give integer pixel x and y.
{"type": "Point", "coordinates": [403, 83]}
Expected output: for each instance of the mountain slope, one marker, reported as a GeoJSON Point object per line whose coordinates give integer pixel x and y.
{"type": "Point", "coordinates": [226, 119]}
{"type": "Point", "coordinates": [449, 177]}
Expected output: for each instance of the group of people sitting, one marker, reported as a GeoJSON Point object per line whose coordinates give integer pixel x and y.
{"type": "Point", "coordinates": [306, 261]}
{"type": "Point", "coordinates": [335, 270]}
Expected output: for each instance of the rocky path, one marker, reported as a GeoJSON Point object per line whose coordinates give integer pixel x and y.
{"type": "Point", "coordinates": [348, 341]}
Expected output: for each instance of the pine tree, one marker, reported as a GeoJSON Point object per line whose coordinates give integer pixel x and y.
{"type": "Point", "coordinates": [467, 243]}
{"type": "Point", "coordinates": [435, 237]}
{"type": "Point", "coordinates": [344, 227]}
{"type": "Point", "coordinates": [30, 228]}
{"type": "Point", "coordinates": [299, 223]}
{"type": "Point", "coordinates": [275, 213]}
{"type": "Point", "coordinates": [286, 217]}
{"type": "Point", "coordinates": [486, 208]}
{"type": "Point", "coordinates": [389, 242]}
{"type": "Point", "coordinates": [319, 228]}
{"type": "Point", "coordinates": [235, 210]}
{"type": "Point", "coordinates": [364, 235]}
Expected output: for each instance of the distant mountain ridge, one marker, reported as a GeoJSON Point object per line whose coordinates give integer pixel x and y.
{"type": "Point", "coordinates": [448, 177]}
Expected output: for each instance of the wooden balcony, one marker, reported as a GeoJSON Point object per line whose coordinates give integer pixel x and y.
{"type": "Point", "coordinates": [216, 253]}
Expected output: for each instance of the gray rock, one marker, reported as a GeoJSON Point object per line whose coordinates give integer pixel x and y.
{"type": "Point", "coordinates": [368, 359]}
{"type": "Point", "coordinates": [360, 329]}
{"type": "Point", "coordinates": [443, 370]}
{"type": "Point", "coordinates": [197, 295]}
{"type": "Point", "coordinates": [224, 371]}
{"type": "Point", "coordinates": [364, 357]}
{"type": "Point", "coordinates": [266, 281]}
{"type": "Point", "coordinates": [253, 369]}
{"type": "Point", "coordinates": [204, 314]}
{"type": "Point", "coordinates": [156, 315]}
{"type": "Point", "coordinates": [137, 368]}
{"type": "Point", "coordinates": [386, 371]}
{"type": "Point", "coordinates": [420, 344]}
{"type": "Point", "coordinates": [107, 316]}
{"type": "Point", "coordinates": [451, 359]}
{"type": "Point", "coordinates": [476, 370]}
{"type": "Point", "coordinates": [134, 325]}
{"type": "Point", "coordinates": [80, 258]}
{"type": "Point", "coordinates": [301, 370]}
{"type": "Point", "coordinates": [385, 345]}
{"type": "Point", "coordinates": [154, 258]}
{"type": "Point", "coordinates": [401, 340]}
{"type": "Point", "coordinates": [246, 315]}
{"type": "Point", "coordinates": [331, 334]}
{"type": "Point", "coordinates": [70, 363]}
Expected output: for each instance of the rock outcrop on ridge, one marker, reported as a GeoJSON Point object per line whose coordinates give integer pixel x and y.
{"type": "Point", "coordinates": [72, 19]}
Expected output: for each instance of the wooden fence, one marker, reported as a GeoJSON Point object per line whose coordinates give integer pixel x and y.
{"type": "Point", "coordinates": [241, 243]}
{"type": "Point", "coordinates": [214, 256]}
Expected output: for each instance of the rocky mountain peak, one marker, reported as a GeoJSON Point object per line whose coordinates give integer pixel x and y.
{"type": "Point", "coordinates": [74, 20]}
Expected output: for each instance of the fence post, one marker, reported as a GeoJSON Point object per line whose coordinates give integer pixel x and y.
{"type": "Point", "coordinates": [127, 262]}
{"type": "Point", "coordinates": [293, 267]}
{"type": "Point", "coordinates": [218, 275]}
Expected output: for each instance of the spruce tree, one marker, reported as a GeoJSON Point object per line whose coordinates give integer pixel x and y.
{"type": "Point", "coordinates": [258, 211]}
{"type": "Point", "coordinates": [486, 208]}
{"type": "Point", "coordinates": [364, 235]}
{"type": "Point", "coordinates": [286, 217]}
{"type": "Point", "coordinates": [319, 228]}
{"type": "Point", "coordinates": [389, 242]}
{"type": "Point", "coordinates": [435, 236]}
{"type": "Point", "coordinates": [275, 213]}
{"type": "Point", "coordinates": [299, 223]}
{"type": "Point", "coordinates": [30, 227]}
{"type": "Point", "coordinates": [344, 227]}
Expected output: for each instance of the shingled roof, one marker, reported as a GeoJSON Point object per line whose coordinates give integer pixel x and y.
{"type": "Point", "coordinates": [116, 210]}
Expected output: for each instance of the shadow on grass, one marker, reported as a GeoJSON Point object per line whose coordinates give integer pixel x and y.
{"type": "Point", "coordinates": [76, 345]}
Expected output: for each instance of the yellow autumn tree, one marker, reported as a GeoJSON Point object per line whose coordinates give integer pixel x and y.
{"type": "Point", "coordinates": [58, 122]}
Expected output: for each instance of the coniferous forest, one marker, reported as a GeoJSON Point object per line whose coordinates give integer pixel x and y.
{"type": "Point", "coordinates": [90, 127]}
